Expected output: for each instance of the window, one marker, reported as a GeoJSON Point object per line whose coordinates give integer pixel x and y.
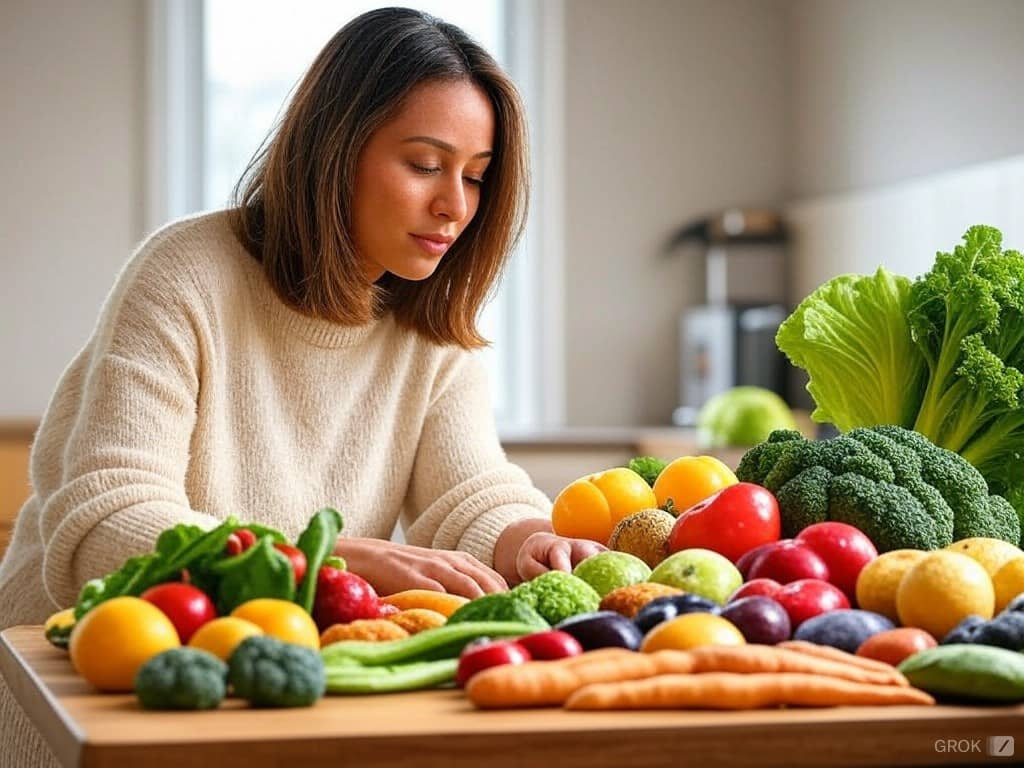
{"type": "Point", "coordinates": [221, 72]}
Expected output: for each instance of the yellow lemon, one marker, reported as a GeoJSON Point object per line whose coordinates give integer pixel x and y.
{"type": "Point", "coordinates": [991, 553]}
{"type": "Point", "coordinates": [1009, 582]}
{"type": "Point", "coordinates": [690, 631]}
{"type": "Point", "coordinates": [221, 636]}
{"type": "Point", "coordinates": [114, 639]}
{"type": "Point", "coordinates": [282, 619]}
{"type": "Point", "coordinates": [591, 507]}
{"type": "Point", "coordinates": [879, 579]}
{"type": "Point", "coordinates": [941, 590]}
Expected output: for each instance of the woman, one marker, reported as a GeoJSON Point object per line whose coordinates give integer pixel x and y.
{"type": "Point", "coordinates": [310, 347]}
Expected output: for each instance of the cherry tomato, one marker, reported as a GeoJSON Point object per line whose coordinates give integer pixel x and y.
{"type": "Point", "coordinates": [187, 607]}
{"type": "Point", "coordinates": [479, 658]}
{"type": "Point", "coordinates": [239, 541]}
{"type": "Point", "coordinates": [731, 522]}
{"type": "Point", "coordinates": [551, 644]}
{"type": "Point", "coordinates": [297, 557]}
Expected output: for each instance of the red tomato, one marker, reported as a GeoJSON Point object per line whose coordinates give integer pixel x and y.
{"type": "Point", "coordinates": [239, 541]}
{"type": "Point", "coordinates": [479, 657]}
{"type": "Point", "coordinates": [551, 644]}
{"type": "Point", "coordinates": [187, 607]}
{"type": "Point", "coordinates": [732, 522]}
{"type": "Point", "coordinates": [894, 645]}
{"type": "Point", "coordinates": [297, 557]}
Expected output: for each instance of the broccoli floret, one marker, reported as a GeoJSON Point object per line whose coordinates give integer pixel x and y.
{"type": "Point", "coordinates": [888, 514]}
{"type": "Point", "coordinates": [648, 467]}
{"type": "Point", "coordinates": [890, 482]}
{"type": "Point", "coordinates": [805, 499]}
{"type": "Point", "coordinates": [270, 673]}
{"type": "Point", "coordinates": [500, 606]}
{"type": "Point", "coordinates": [181, 678]}
{"type": "Point", "coordinates": [557, 595]}
{"type": "Point", "coordinates": [999, 521]}
{"type": "Point", "coordinates": [756, 463]}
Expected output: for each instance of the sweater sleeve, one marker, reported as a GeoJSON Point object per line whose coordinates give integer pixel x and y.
{"type": "Point", "coordinates": [113, 450]}
{"type": "Point", "coordinates": [463, 486]}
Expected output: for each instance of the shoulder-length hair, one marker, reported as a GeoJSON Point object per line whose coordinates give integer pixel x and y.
{"type": "Point", "coordinates": [292, 209]}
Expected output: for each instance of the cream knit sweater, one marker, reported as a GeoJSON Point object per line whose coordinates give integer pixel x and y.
{"type": "Point", "coordinates": [200, 395]}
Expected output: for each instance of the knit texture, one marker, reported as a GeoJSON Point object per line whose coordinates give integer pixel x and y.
{"type": "Point", "coordinates": [201, 395]}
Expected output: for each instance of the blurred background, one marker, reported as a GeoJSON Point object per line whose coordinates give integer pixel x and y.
{"type": "Point", "coordinates": [699, 166]}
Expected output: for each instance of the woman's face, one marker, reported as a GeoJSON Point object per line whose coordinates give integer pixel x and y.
{"type": "Point", "coordinates": [418, 179]}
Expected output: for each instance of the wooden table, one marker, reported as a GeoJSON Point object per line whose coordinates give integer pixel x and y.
{"type": "Point", "coordinates": [439, 728]}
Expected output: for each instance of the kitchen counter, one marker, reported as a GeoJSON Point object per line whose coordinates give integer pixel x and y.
{"type": "Point", "coordinates": [440, 728]}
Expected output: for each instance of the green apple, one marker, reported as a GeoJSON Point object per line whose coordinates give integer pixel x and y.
{"type": "Point", "coordinates": [699, 572]}
{"type": "Point", "coordinates": [606, 571]}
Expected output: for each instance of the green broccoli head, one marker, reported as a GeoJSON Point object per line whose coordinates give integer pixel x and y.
{"type": "Point", "coordinates": [892, 483]}
{"type": "Point", "coordinates": [271, 673]}
{"type": "Point", "coordinates": [181, 678]}
{"type": "Point", "coordinates": [500, 606]}
{"type": "Point", "coordinates": [557, 595]}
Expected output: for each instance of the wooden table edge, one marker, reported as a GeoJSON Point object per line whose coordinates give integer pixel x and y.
{"type": "Point", "coordinates": [57, 729]}
{"type": "Point", "coordinates": [900, 735]}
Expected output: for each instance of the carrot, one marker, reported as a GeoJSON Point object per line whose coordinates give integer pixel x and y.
{"type": "Point", "coordinates": [729, 690]}
{"type": "Point", "coordinates": [768, 658]}
{"type": "Point", "coordinates": [549, 683]}
{"type": "Point", "coordinates": [828, 652]}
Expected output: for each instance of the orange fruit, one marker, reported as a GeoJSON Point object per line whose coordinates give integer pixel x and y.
{"type": "Point", "coordinates": [221, 636]}
{"type": "Point", "coordinates": [591, 507]}
{"type": "Point", "coordinates": [114, 639]}
{"type": "Point", "coordinates": [941, 590]}
{"type": "Point", "coordinates": [879, 579]}
{"type": "Point", "coordinates": [282, 619]}
{"type": "Point", "coordinates": [690, 631]}
{"type": "Point", "coordinates": [993, 554]}
{"type": "Point", "coordinates": [689, 480]}
{"type": "Point", "coordinates": [1008, 582]}
{"type": "Point", "coordinates": [442, 602]}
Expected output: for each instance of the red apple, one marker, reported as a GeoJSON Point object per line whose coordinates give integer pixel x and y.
{"type": "Point", "coordinates": [763, 587]}
{"type": "Point", "coordinates": [806, 598]}
{"type": "Point", "coordinates": [731, 522]}
{"type": "Point", "coordinates": [845, 550]}
{"type": "Point", "coordinates": [788, 560]}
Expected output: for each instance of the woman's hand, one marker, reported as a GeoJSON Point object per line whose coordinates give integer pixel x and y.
{"type": "Point", "coordinates": [528, 548]}
{"type": "Point", "coordinates": [391, 567]}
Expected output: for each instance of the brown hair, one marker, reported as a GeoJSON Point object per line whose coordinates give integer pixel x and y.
{"type": "Point", "coordinates": [293, 205]}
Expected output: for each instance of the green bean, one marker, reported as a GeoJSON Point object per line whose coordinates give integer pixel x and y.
{"type": "Point", "coordinates": [391, 678]}
{"type": "Point", "coordinates": [444, 642]}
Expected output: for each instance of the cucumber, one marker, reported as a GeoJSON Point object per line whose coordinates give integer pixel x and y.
{"type": "Point", "coordinates": [979, 672]}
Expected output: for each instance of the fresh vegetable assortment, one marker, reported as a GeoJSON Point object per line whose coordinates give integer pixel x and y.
{"type": "Point", "coordinates": [942, 355]}
{"type": "Point", "coordinates": [882, 566]}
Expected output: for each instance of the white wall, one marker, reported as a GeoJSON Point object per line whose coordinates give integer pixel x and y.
{"type": "Point", "coordinates": [674, 108]}
{"type": "Point", "coordinates": [886, 90]}
{"type": "Point", "coordinates": [70, 165]}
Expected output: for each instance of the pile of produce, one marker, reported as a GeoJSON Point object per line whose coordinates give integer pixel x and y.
{"type": "Point", "coordinates": [941, 355]}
